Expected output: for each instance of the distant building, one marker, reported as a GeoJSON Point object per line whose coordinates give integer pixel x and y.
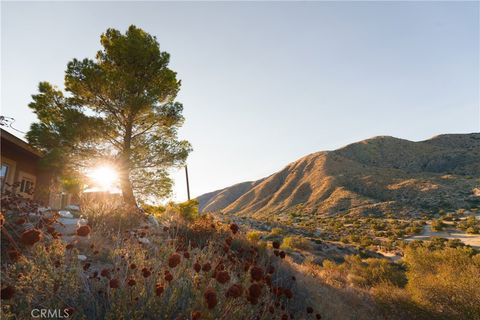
{"type": "Point", "coordinates": [20, 163]}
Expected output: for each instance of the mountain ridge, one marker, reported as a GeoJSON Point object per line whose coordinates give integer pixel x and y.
{"type": "Point", "coordinates": [375, 175]}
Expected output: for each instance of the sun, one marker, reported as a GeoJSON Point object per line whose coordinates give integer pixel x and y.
{"type": "Point", "coordinates": [104, 176]}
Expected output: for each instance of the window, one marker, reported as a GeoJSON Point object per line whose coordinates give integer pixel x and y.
{"type": "Point", "coordinates": [26, 186]}
{"type": "Point", "coordinates": [4, 169]}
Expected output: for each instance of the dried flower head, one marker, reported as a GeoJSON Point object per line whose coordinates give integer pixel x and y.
{"type": "Point", "coordinates": [146, 272]}
{"type": "Point", "coordinates": [13, 254]}
{"type": "Point", "coordinates": [83, 231]}
{"type": "Point", "coordinates": [174, 260]}
{"type": "Point", "coordinates": [158, 289]}
{"type": "Point", "coordinates": [210, 298]}
{"type": "Point", "coordinates": [114, 283]}
{"type": "Point", "coordinates": [7, 293]}
{"type": "Point", "coordinates": [30, 237]}
{"type": "Point", "coordinates": [197, 267]}
{"type": "Point", "coordinates": [256, 273]}
{"type": "Point", "coordinates": [234, 291]}
{"type": "Point", "coordinates": [105, 273]}
{"type": "Point", "coordinates": [222, 277]}
{"type": "Point", "coordinates": [255, 290]}
{"type": "Point", "coordinates": [234, 228]}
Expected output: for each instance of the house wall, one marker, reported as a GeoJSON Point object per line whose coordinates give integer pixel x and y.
{"type": "Point", "coordinates": [23, 163]}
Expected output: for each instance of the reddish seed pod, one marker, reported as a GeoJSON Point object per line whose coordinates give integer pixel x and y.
{"type": "Point", "coordinates": [146, 273]}
{"type": "Point", "coordinates": [234, 291]}
{"type": "Point", "coordinates": [174, 260]}
{"type": "Point", "coordinates": [158, 289]}
{"type": "Point", "coordinates": [256, 273]}
{"type": "Point", "coordinates": [7, 293]}
{"type": "Point", "coordinates": [83, 231]}
{"type": "Point", "coordinates": [114, 283]}
{"type": "Point", "coordinates": [234, 228]}
{"type": "Point", "coordinates": [30, 237]}
{"type": "Point", "coordinates": [222, 277]}
{"type": "Point", "coordinates": [196, 315]}
{"type": "Point", "coordinates": [197, 267]}
{"type": "Point", "coordinates": [210, 298]}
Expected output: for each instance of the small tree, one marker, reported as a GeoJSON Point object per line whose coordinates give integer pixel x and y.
{"type": "Point", "coordinates": [121, 107]}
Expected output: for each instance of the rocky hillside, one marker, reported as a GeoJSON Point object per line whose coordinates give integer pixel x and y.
{"type": "Point", "coordinates": [379, 175]}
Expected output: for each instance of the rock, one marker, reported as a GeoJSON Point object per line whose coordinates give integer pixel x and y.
{"type": "Point", "coordinates": [144, 240]}
{"type": "Point", "coordinates": [81, 257]}
{"type": "Point", "coordinates": [65, 214]}
{"type": "Point", "coordinates": [66, 226]}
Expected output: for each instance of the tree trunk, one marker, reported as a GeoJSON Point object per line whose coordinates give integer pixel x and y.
{"type": "Point", "coordinates": [127, 190]}
{"type": "Point", "coordinates": [125, 183]}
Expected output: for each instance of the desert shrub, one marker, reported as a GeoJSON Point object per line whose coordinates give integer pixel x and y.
{"type": "Point", "coordinates": [472, 230]}
{"type": "Point", "coordinates": [254, 236]}
{"type": "Point", "coordinates": [110, 217]}
{"type": "Point", "coordinates": [296, 242]}
{"type": "Point", "coordinates": [211, 269]}
{"type": "Point", "coordinates": [276, 231]}
{"type": "Point", "coordinates": [155, 210]}
{"type": "Point", "coordinates": [437, 225]}
{"type": "Point", "coordinates": [44, 275]}
{"type": "Point", "coordinates": [445, 281]}
{"type": "Point", "coordinates": [365, 273]}
{"type": "Point", "coordinates": [397, 303]}
{"type": "Point", "coordinates": [188, 210]}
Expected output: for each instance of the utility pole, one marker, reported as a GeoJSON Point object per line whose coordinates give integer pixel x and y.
{"type": "Point", "coordinates": [188, 185]}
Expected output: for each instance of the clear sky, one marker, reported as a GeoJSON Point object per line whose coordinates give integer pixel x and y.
{"type": "Point", "coordinates": [266, 83]}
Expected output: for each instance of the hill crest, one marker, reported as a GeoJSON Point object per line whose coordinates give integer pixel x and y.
{"type": "Point", "coordinates": [376, 175]}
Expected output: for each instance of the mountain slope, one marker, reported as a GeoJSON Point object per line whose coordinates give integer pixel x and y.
{"type": "Point", "coordinates": [377, 175]}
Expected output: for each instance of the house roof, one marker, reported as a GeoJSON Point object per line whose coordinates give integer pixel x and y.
{"type": "Point", "coordinates": [19, 142]}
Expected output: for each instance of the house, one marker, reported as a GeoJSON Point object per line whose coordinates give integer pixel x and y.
{"type": "Point", "coordinates": [20, 163]}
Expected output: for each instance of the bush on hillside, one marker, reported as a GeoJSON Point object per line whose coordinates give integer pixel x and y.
{"type": "Point", "coordinates": [445, 281]}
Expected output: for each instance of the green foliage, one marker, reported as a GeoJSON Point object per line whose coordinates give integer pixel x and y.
{"type": "Point", "coordinates": [188, 210]}
{"type": "Point", "coordinates": [155, 210]}
{"type": "Point", "coordinates": [129, 92]}
{"type": "Point", "coordinates": [62, 127]}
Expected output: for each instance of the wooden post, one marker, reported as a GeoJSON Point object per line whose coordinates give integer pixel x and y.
{"type": "Point", "coordinates": [188, 185]}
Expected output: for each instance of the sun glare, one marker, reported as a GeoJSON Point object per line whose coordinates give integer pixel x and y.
{"type": "Point", "coordinates": [104, 176]}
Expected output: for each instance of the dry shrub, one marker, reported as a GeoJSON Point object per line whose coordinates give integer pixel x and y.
{"type": "Point", "coordinates": [397, 303]}
{"type": "Point", "coordinates": [445, 281]}
{"type": "Point", "coordinates": [125, 278]}
{"type": "Point", "coordinates": [296, 242]}
{"type": "Point", "coordinates": [110, 217]}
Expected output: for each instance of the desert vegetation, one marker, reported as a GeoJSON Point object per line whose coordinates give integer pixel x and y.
{"type": "Point", "coordinates": [121, 266]}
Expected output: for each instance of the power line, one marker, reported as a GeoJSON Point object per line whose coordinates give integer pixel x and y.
{"type": "Point", "coordinates": [7, 122]}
